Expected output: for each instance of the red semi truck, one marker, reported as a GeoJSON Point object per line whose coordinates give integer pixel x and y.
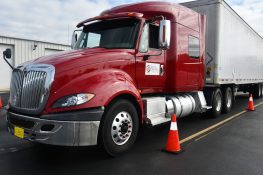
{"type": "Point", "coordinates": [131, 65]}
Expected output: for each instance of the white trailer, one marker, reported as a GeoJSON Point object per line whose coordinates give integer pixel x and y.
{"type": "Point", "coordinates": [234, 54]}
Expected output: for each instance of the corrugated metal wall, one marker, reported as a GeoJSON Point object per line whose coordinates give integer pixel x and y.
{"type": "Point", "coordinates": [24, 49]}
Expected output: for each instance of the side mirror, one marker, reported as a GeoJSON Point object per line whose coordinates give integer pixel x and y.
{"type": "Point", "coordinates": [7, 53]}
{"type": "Point", "coordinates": [74, 38]}
{"type": "Point", "coordinates": [165, 34]}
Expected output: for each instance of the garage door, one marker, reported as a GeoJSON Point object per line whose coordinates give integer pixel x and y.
{"type": "Point", "coordinates": [51, 51]}
{"type": "Point", "coordinates": [5, 70]}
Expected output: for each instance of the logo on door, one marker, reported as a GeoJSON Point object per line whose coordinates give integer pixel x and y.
{"type": "Point", "coordinates": [152, 69]}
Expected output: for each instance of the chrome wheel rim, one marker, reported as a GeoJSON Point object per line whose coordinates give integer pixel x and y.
{"type": "Point", "coordinates": [219, 102]}
{"type": "Point", "coordinates": [121, 128]}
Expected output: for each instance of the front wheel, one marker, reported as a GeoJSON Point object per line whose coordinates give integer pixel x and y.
{"type": "Point", "coordinates": [119, 127]}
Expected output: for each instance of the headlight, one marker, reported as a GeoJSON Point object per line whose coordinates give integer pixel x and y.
{"type": "Point", "coordinates": [72, 100]}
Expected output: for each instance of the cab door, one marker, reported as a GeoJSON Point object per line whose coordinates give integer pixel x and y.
{"type": "Point", "coordinates": [150, 60]}
{"type": "Point", "coordinates": [189, 63]}
{"type": "Point", "coordinates": [193, 62]}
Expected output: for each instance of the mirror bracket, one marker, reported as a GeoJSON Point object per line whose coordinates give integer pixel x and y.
{"type": "Point", "coordinates": [146, 57]}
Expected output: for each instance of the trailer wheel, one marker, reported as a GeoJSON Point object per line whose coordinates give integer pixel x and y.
{"type": "Point", "coordinates": [119, 127]}
{"type": "Point", "coordinates": [227, 100]}
{"type": "Point", "coordinates": [261, 90]}
{"type": "Point", "coordinates": [256, 91]}
{"type": "Point", "coordinates": [217, 103]}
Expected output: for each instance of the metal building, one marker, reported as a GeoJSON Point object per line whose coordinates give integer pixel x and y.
{"type": "Point", "coordinates": [23, 50]}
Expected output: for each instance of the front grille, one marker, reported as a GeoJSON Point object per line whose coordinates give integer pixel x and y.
{"type": "Point", "coordinates": [30, 87]}
{"type": "Point", "coordinates": [27, 89]}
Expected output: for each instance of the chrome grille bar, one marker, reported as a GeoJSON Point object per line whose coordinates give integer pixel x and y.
{"type": "Point", "coordinates": [30, 86]}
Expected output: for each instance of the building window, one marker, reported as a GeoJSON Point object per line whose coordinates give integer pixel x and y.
{"type": "Point", "coordinates": [194, 47]}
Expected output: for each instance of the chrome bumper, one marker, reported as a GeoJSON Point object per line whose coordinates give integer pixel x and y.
{"type": "Point", "coordinates": [55, 132]}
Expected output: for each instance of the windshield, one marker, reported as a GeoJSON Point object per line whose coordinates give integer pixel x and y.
{"type": "Point", "coordinates": [112, 34]}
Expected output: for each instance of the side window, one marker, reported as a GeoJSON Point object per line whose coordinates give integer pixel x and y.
{"type": "Point", "coordinates": [89, 40]}
{"type": "Point", "coordinates": [154, 36]}
{"type": "Point", "coordinates": [144, 43]}
{"type": "Point", "coordinates": [194, 47]}
{"type": "Point", "coordinates": [149, 38]}
{"type": "Point", "coordinates": [93, 40]}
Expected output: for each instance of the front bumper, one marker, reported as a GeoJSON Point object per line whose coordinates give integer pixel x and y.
{"type": "Point", "coordinates": [66, 129]}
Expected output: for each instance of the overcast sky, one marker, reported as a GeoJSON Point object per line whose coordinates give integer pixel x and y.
{"type": "Point", "coordinates": [54, 20]}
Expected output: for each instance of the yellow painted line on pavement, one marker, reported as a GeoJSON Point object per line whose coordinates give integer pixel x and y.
{"type": "Point", "coordinates": [214, 126]}
{"type": "Point", "coordinates": [210, 132]}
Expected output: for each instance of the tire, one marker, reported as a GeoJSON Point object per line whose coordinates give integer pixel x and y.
{"type": "Point", "coordinates": [228, 100]}
{"type": "Point", "coordinates": [261, 90]}
{"type": "Point", "coordinates": [256, 91]}
{"type": "Point", "coordinates": [217, 101]}
{"type": "Point", "coordinates": [119, 127]}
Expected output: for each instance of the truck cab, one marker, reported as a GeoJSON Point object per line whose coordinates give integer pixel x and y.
{"type": "Point", "coordinates": [131, 65]}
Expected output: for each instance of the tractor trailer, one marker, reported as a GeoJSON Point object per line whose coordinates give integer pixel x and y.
{"type": "Point", "coordinates": [135, 65]}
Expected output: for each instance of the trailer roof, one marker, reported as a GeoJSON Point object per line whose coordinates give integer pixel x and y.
{"type": "Point", "coordinates": [209, 2]}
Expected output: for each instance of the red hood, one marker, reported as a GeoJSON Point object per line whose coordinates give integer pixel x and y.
{"type": "Point", "coordinates": [76, 58]}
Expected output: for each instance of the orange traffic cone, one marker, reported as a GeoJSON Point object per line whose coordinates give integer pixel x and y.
{"type": "Point", "coordinates": [250, 104]}
{"type": "Point", "coordinates": [173, 144]}
{"type": "Point", "coordinates": [1, 104]}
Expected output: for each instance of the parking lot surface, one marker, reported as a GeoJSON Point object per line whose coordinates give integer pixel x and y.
{"type": "Point", "coordinates": [233, 147]}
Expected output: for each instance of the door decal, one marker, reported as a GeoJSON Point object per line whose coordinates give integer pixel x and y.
{"type": "Point", "coordinates": [152, 69]}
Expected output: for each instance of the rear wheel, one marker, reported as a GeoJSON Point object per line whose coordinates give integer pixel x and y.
{"type": "Point", "coordinates": [217, 103]}
{"type": "Point", "coordinates": [119, 127]}
{"type": "Point", "coordinates": [261, 90]}
{"type": "Point", "coordinates": [256, 91]}
{"type": "Point", "coordinates": [227, 100]}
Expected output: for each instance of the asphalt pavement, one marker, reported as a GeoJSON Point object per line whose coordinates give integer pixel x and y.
{"type": "Point", "coordinates": [232, 148]}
